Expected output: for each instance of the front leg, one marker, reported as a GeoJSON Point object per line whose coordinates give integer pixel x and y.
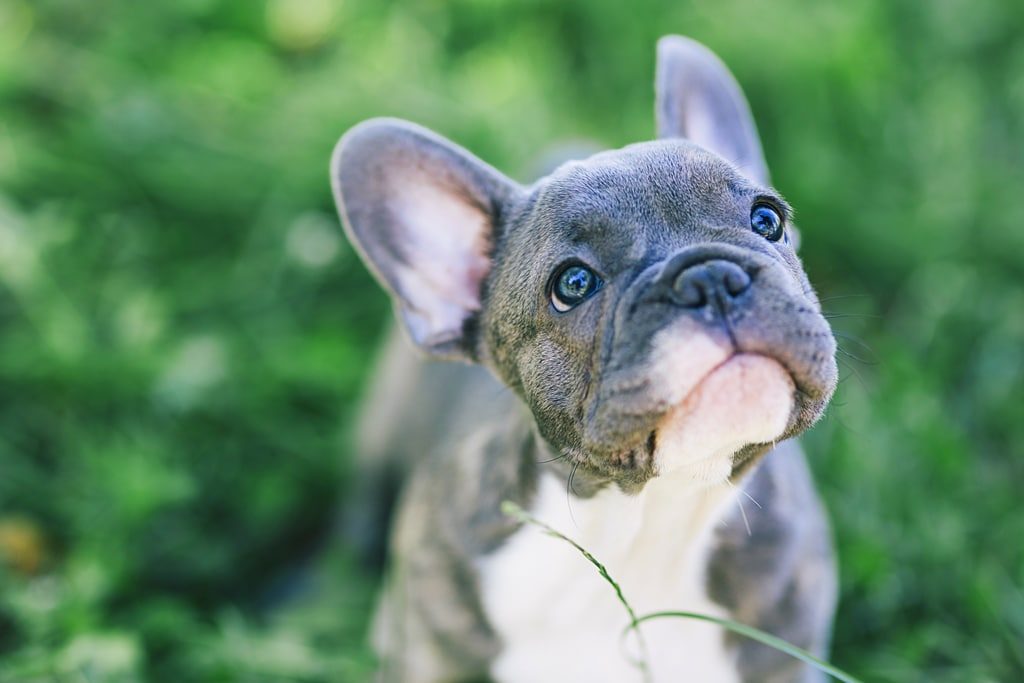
{"type": "Point", "coordinates": [429, 625]}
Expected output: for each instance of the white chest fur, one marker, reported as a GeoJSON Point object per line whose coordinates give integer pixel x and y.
{"type": "Point", "coordinates": [560, 621]}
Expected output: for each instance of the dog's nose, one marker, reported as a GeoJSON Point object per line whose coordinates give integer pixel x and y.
{"type": "Point", "coordinates": [711, 281]}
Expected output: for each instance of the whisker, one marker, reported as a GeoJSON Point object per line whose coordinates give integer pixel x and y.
{"type": "Point", "coordinates": [746, 522]}
{"type": "Point", "coordinates": [842, 296]}
{"type": "Point", "coordinates": [834, 414]}
{"type": "Point", "coordinates": [744, 492]}
{"type": "Point", "coordinates": [853, 373]}
{"type": "Point", "coordinates": [832, 315]}
{"type": "Point", "coordinates": [569, 490]}
{"type": "Point", "coordinates": [855, 339]}
{"type": "Point", "coordinates": [855, 357]}
{"type": "Point", "coordinates": [743, 512]}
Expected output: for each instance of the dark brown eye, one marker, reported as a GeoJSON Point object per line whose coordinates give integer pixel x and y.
{"type": "Point", "coordinates": [573, 285]}
{"type": "Point", "coordinates": [767, 222]}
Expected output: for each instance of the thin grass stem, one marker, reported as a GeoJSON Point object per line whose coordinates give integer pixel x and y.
{"type": "Point", "coordinates": [510, 509]}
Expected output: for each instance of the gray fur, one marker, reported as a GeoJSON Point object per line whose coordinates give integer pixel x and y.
{"type": "Point", "coordinates": [570, 394]}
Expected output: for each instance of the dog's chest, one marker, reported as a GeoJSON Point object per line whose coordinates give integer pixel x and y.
{"type": "Point", "coordinates": [559, 620]}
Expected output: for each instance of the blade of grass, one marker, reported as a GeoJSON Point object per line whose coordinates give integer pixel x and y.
{"type": "Point", "coordinates": [754, 634]}
{"type": "Point", "coordinates": [512, 510]}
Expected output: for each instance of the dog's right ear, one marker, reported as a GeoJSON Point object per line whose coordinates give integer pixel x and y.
{"type": "Point", "coordinates": [698, 99]}
{"type": "Point", "coordinates": [422, 212]}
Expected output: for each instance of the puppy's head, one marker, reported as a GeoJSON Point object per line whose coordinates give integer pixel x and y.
{"type": "Point", "coordinates": [647, 303]}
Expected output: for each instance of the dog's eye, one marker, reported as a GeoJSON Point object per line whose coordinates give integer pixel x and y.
{"type": "Point", "coordinates": [572, 285]}
{"type": "Point", "coordinates": [766, 222]}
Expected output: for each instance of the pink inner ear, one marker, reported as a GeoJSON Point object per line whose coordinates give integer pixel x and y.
{"type": "Point", "coordinates": [444, 242]}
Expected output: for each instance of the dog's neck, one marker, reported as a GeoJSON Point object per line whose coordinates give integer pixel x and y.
{"type": "Point", "coordinates": [612, 523]}
{"type": "Point", "coordinates": [673, 505]}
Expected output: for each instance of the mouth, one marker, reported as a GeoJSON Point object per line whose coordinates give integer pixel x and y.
{"type": "Point", "coordinates": [746, 399]}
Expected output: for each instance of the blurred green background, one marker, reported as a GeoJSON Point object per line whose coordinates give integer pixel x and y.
{"type": "Point", "coordinates": [184, 333]}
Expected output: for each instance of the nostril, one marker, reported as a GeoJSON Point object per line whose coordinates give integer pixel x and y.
{"type": "Point", "coordinates": [690, 291]}
{"type": "Point", "coordinates": [736, 281]}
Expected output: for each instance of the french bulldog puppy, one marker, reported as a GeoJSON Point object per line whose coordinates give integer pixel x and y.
{"type": "Point", "coordinates": [642, 344]}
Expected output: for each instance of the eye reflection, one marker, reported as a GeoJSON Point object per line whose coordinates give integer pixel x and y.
{"type": "Point", "coordinates": [573, 285]}
{"type": "Point", "coordinates": [767, 222]}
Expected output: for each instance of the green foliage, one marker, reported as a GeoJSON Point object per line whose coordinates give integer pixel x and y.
{"type": "Point", "coordinates": [183, 332]}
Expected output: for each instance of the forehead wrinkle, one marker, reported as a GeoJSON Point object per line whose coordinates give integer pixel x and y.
{"type": "Point", "coordinates": [649, 191]}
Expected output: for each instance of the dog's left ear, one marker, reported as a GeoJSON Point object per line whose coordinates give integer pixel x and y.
{"type": "Point", "coordinates": [698, 99]}
{"type": "Point", "coordinates": [423, 213]}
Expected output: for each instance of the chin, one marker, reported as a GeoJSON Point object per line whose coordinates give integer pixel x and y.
{"type": "Point", "coordinates": [746, 399]}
